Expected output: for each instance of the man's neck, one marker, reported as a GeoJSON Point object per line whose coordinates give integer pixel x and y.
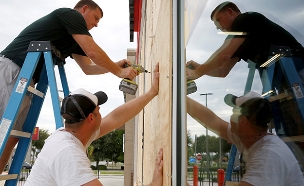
{"type": "Point", "coordinates": [78, 135]}
{"type": "Point", "coordinates": [249, 140]}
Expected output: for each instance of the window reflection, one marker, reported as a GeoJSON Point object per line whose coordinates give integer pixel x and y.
{"type": "Point", "coordinates": [280, 81]}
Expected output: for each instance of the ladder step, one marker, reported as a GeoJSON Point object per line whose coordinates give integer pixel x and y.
{"type": "Point", "coordinates": [280, 96]}
{"type": "Point", "coordinates": [20, 134]}
{"type": "Point", "coordinates": [293, 138]}
{"type": "Point", "coordinates": [8, 176]}
{"type": "Point", "coordinates": [35, 91]}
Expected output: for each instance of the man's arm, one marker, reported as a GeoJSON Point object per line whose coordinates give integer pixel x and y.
{"type": "Point", "coordinates": [157, 179]}
{"type": "Point", "coordinates": [207, 118]}
{"type": "Point", "coordinates": [95, 182]}
{"type": "Point", "coordinates": [242, 183]}
{"type": "Point", "coordinates": [100, 58]}
{"type": "Point", "coordinates": [218, 59]}
{"type": "Point", "coordinates": [87, 66]}
{"type": "Point", "coordinates": [223, 70]}
{"type": "Point", "coordinates": [127, 111]}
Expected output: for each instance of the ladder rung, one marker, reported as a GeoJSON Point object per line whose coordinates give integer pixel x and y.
{"type": "Point", "coordinates": [8, 176]}
{"type": "Point", "coordinates": [35, 91]}
{"type": "Point", "coordinates": [280, 96]}
{"type": "Point", "coordinates": [20, 134]}
{"type": "Point", "coordinates": [293, 138]}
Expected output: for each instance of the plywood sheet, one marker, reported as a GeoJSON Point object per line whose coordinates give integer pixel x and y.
{"type": "Point", "coordinates": [154, 122]}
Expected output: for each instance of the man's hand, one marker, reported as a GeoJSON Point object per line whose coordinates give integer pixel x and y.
{"type": "Point", "coordinates": [128, 72]}
{"type": "Point", "coordinates": [155, 84]}
{"type": "Point", "coordinates": [122, 62]}
{"type": "Point", "coordinates": [192, 66]}
{"type": "Point", "coordinates": [158, 170]}
{"type": "Point", "coordinates": [191, 74]}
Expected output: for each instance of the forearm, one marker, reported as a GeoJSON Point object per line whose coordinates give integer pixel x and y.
{"type": "Point", "coordinates": [125, 112]}
{"type": "Point", "coordinates": [216, 73]}
{"type": "Point", "coordinates": [96, 54]}
{"type": "Point", "coordinates": [87, 66]}
{"type": "Point", "coordinates": [206, 118]}
{"type": "Point", "coordinates": [100, 58]}
{"type": "Point", "coordinates": [224, 70]}
{"type": "Point", "coordinates": [221, 58]}
{"type": "Point", "coordinates": [94, 69]}
{"type": "Point", "coordinates": [212, 66]}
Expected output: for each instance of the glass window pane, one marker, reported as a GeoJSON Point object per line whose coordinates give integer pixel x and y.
{"type": "Point", "coordinates": [260, 31]}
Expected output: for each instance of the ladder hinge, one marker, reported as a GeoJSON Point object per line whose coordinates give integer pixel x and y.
{"type": "Point", "coordinates": [44, 46]}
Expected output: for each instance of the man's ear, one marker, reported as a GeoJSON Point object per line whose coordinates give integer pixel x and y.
{"type": "Point", "coordinates": [230, 11]}
{"type": "Point", "coordinates": [242, 119]}
{"type": "Point", "coordinates": [90, 118]}
{"type": "Point", "coordinates": [84, 8]}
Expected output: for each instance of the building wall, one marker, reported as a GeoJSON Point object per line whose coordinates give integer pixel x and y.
{"type": "Point", "coordinates": [154, 122]}
{"type": "Point", "coordinates": [129, 140]}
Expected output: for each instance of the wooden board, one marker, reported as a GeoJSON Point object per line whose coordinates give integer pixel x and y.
{"type": "Point", "coordinates": [154, 122]}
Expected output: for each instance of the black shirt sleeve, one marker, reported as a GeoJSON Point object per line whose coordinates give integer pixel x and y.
{"type": "Point", "coordinates": [74, 22]}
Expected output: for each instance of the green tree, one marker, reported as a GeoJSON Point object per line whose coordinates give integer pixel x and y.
{"type": "Point", "coordinates": [96, 150]}
{"type": "Point", "coordinates": [200, 144]}
{"type": "Point", "coordinates": [38, 144]}
{"type": "Point", "coordinates": [108, 147]}
{"type": "Point", "coordinates": [189, 145]}
{"type": "Point", "coordinates": [213, 145]}
{"type": "Point", "coordinates": [117, 137]}
{"type": "Point", "coordinates": [226, 146]}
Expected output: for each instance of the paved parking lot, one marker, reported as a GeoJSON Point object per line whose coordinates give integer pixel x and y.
{"type": "Point", "coordinates": [108, 180]}
{"type": "Point", "coordinates": [112, 180]}
{"type": "Point", "coordinates": [105, 180]}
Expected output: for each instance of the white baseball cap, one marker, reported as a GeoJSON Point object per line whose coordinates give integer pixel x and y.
{"type": "Point", "coordinates": [80, 103]}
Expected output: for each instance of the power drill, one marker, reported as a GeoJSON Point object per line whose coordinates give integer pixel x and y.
{"type": "Point", "coordinates": [191, 86]}
{"type": "Point", "coordinates": [128, 86]}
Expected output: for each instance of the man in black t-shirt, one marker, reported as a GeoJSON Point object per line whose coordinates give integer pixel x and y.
{"type": "Point", "coordinates": [68, 30]}
{"type": "Point", "coordinates": [251, 36]}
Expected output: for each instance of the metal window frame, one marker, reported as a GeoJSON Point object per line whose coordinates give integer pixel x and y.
{"type": "Point", "coordinates": [179, 127]}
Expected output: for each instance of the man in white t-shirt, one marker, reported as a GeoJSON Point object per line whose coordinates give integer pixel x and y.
{"type": "Point", "coordinates": [269, 161]}
{"type": "Point", "coordinates": [63, 160]}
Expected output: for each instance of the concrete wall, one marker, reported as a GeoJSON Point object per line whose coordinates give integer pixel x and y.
{"type": "Point", "coordinates": [129, 140]}
{"type": "Point", "coordinates": [153, 127]}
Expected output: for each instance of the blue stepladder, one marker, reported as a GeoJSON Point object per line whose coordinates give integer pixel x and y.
{"type": "Point", "coordinates": [284, 63]}
{"type": "Point", "coordinates": [22, 87]}
{"type": "Point", "coordinates": [283, 86]}
{"type": "Point", "coordinates": [287, 88]}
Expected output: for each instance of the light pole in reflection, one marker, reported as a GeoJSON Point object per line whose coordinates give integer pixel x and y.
{"type": "Point", "coordinates": [207, 147]}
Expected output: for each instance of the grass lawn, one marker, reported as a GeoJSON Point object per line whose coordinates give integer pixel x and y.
{"type": "Point", "coordinates": [109, 172]}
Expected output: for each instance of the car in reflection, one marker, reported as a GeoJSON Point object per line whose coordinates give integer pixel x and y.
{"type": "Point", "coordinates": [25, 165]}
{"type": "Point", "coordinates": [236, 169]}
